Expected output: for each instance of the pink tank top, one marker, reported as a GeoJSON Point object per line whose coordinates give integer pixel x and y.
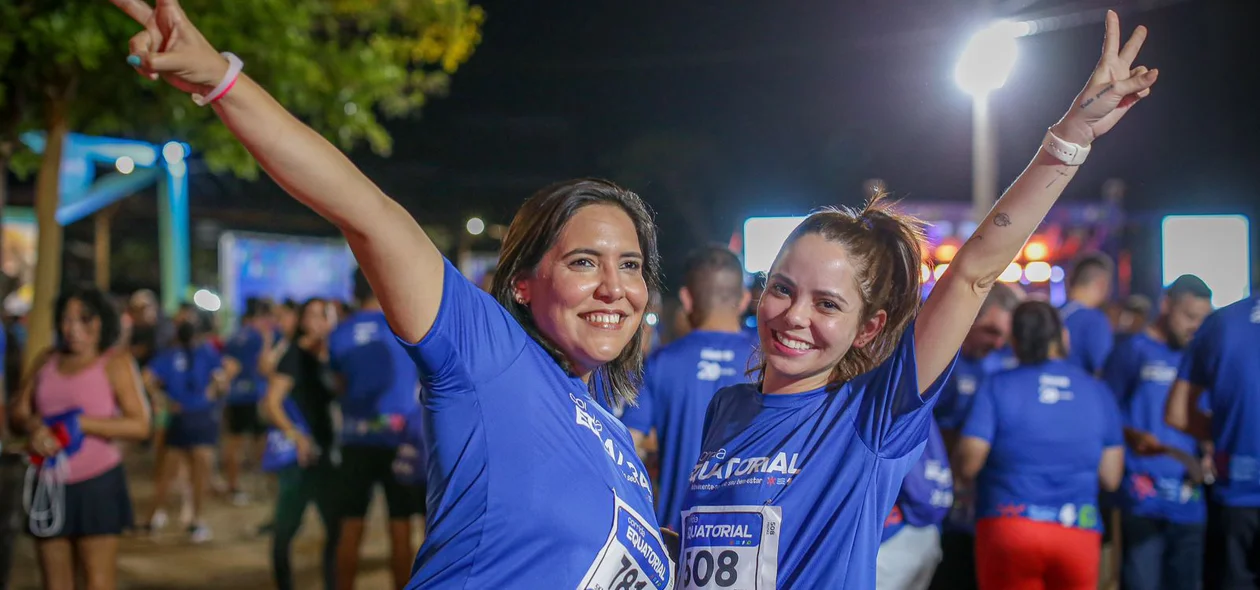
{"type": "Point", "coordinates": [88, 390]}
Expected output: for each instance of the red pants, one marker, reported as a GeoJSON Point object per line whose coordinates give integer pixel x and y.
{"type": "Point", "coordinates": [1022, 554]}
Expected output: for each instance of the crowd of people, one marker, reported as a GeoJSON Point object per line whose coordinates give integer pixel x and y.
{"type": "Point", "coordinates": [318, 394]}
{"type": "Point", "coordinates": [865, 434]}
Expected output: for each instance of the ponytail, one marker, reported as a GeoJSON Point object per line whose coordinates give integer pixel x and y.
{"type": "Point", "coordinates": [1036, 332]}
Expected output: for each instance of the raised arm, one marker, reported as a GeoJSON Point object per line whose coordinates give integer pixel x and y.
{"type": "Point", "coordinates": [398, 258]}
{"type": "Point", "coordinates": [949, 312]}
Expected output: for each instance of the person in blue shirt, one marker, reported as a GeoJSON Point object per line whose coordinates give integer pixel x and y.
{"type": "Point", "coordinates": [978, 356]}
{"type": "Point", "coordinates": [1224, 360]}
{"type": "Point", "coordinates": [191, 375]}
{"type": "Point", "coordinates": [1039, 442]}
{"type": "Point", "coordinates": [378, 393]}
{"type": "Point", "coordinates": [241, 412]}
{"type": "Point", "coordinates": [797, 472]}
{"type": "Point", "coordinates": [1089, 329]}
{"type": "Point", "coordinates": [531, 483]}
{"type": "Point", "coordinates": [983, 352]}
{"type": "Point", "coordinates": [680, 379]}
{"type": "Point", "coordinates": [910, 547]}
{"type": "Point", "coordinates": [1163, 504]}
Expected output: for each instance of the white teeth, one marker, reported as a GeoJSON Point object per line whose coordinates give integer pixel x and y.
{"type": "Point", "coordinates": [793, 344]}
{"type": "Point", "coordinates": [604, 318]}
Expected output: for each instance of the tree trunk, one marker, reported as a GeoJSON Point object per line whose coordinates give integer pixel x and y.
{"type": "Point", "coordinates": [48, 249]}
{"type": "Point", "coordinates": [103, 220]}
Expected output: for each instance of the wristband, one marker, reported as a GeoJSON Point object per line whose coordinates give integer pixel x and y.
{"type": "Point", "coordinates": [235, 65]}
{"type": "Point", "coordinates": [1064, 151]}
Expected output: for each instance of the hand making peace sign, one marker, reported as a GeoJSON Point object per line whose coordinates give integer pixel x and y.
{"type": "Point", "coordinates": [1112, 90]}
{"type": "Point", "coordinates": [171, 47]}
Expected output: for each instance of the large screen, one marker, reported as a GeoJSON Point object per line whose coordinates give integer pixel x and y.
{"type": "Point", "coordinates": [1216, 248]}
{"type": "Point", "coordinates": [763, 236]}
{"type": "Point", "coordinates": [283, 267]}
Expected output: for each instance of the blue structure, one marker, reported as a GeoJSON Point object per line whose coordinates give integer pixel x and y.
{"type": "Point", "coordinates": [137, 165]}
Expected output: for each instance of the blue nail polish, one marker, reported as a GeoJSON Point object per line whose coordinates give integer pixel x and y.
{"type": "Point", "coordinates": [133, 60]}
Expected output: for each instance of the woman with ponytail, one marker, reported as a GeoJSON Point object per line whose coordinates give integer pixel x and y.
{"type": "Point", "coordinates": [1042, 439]}
{"type": "Point", "coordinates": [798, 470]}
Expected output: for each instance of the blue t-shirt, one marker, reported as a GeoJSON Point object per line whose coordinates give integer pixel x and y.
{"type": "Point", "coordinates": [678, 383]}
{"type": "Point", "coordinates": [249, 386]}
{"type": "Point", "coordinates": [1224, 358]}
{"type": "Point", "coordinates": [793, 489]}
{"type": "Point", "coordinates": [960, 389]}
{"type": "Point", "coordinates": [186, 376]}
{"type": "Point", "coordinates": [1047, 426]}
{"type": "Point", "coordinates": [531, 483]}
{"type": "Point", "coordinates": [1140, 372]}
{"type": "Point", "coordinates": [927, 493]}
{"type": "Point", "coordinates": [381, 381]}
{"type": "Point", "coordinates": [1089, 336]}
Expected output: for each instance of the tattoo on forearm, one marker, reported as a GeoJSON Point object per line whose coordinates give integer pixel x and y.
{"type": "Point", "coordinates": [1054, 180]}
{"type": "Point", "coordinates": [1001, 220]}
{"type": "Point", "coordinates": [1100, 94]}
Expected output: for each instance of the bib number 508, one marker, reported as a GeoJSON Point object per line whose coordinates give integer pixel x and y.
{"type": "Point", "coordinates": [700, 567]}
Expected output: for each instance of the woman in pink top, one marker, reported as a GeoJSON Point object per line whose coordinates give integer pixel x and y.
{"type": "Point", "coordinates": [82, 374]}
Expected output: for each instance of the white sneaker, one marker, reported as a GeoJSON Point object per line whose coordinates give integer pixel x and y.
{"type": "Point", "coordinates": [158, 522]}
{"type": "Point", "coordinates": [200, 533]}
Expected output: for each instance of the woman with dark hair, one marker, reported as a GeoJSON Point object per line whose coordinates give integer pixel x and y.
{"type": "Point", "coordinates": [1042, 439]}
{"type": "Point", "coordinates": [79, 398]}
{"type": "Point", "coordinates": [797, 471]}
{"type": "Point", "coordinates": [531, 483]}
{"type": "Point", "coordinates": [191, 375]}
{"type": "Point", "coordinates": [307, 421]}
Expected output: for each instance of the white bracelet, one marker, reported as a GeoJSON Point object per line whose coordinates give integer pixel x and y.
{"type": "Point", "coordinates": [1064, 151]}
{"type": "Point", "coordinates": [235, 65]}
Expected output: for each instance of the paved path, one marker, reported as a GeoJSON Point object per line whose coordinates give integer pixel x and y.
{"type": "Point", "coordinates": [236, 559]}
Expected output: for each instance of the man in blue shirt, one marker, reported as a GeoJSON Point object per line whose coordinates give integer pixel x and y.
{"type": "Point", "coordinates": [1162, 500]}
{"type": "Point", "coordinates": [1224, 359]}
{"type": "Point", "coordinates": [379, 393]}
{"type": "Point", "coordinates": [241, 412]}
{"type": "Point", "coordinates": [680, 379]}
{"type": "Point", "coordinates": [982, 354]}
{"type": "Point", "coordinates": [1089, 330]}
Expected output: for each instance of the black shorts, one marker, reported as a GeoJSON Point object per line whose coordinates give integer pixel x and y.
{"type": "Point", "coordinates": [1231, 556]}
{"type": "Point", "coordinates": [243, 419]}
{"type": "Point", "coordinates": [199, 428]}
{"type": "Point", "coordinates": [362, 467]}
{"type": "Point", "coordinates": [98, 506]}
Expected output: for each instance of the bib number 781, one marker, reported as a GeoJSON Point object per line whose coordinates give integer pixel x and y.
{"type": "Point", "coordinates": [627, 578]}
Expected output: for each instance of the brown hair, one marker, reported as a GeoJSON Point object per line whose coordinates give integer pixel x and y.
{"type": "Point", "coordinates": [885, 248]}
{"type": "Point", "coordinates": [534, 231]}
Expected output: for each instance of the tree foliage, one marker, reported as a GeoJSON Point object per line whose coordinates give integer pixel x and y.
{"type": "Point", "coordinates": [338, 64]}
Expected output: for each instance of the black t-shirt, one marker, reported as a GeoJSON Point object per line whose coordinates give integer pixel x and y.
{"type": "Point", "coordinates": [310, 393]}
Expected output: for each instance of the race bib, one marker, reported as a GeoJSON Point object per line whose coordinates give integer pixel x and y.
{"type": "Point", "coordinates": [735, 547]}
{"type": "Point", "coordinates": [633, 558]}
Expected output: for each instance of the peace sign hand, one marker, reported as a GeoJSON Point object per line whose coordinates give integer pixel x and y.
{"type": "Point", "coordinates": [171, 47]}
{"type": "Point", "coordinates": [1112, 90]}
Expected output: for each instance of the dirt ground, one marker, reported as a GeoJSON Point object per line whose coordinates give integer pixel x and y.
{"type": "Point", "coordinates": [237, 558]}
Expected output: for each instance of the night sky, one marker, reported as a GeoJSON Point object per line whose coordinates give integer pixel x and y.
{"type": "Point", "coordinates": [778, 107]}
{"type": "Point", "coordinates": [748, 107]}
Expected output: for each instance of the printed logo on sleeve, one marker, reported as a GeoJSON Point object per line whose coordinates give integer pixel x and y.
{"type": "Point", "coordinates": [730, 547]}
{"type": "Point", "coordinates": [590, 421]}
{"type": "Point", "coordinates": [633, 557]}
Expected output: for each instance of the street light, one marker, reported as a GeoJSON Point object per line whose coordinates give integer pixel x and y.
{"type": "Point", "coordinates": [984, 66]}
{"type": "Point", "coordinates": [475, 226]}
